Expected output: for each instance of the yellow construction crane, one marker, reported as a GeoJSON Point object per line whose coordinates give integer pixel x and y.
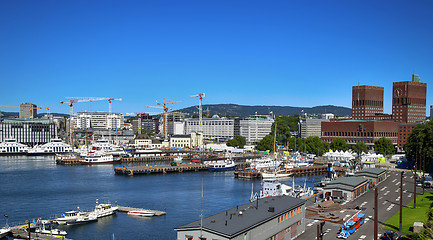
{"type": "Point", "coordinates": [165, 109]}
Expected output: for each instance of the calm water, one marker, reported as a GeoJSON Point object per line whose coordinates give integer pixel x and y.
{"type": "Point", "coordinates": [32, 187]}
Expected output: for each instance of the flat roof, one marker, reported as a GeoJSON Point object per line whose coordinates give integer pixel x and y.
{"type": "Point", "coordinates": [347, 182]}
{"type": "Point", "coordinates": [375, 171]}
{"type": "Point", "coordinates": [232, 222]}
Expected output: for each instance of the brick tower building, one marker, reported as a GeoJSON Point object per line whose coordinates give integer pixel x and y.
{"type": "Point", "coordinates": [409, 100]}
{"type": "Point", "coordinates": [367, 102]}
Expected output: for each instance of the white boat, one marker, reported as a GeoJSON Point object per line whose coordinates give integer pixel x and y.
{"type": "Point", "coordinates": [141, 213]}
{"type": "Point", "coordinates": [11, 146]}
{"type": "Point", "coordinates": [278, 175]}
{"type": "Point", "coordinates": [178, 159]}
{"type": "Point", "coordinates": [44, 227]}
{"type": "Point", "coordinates": [265, 163]}
{"type": "Point", "coordinates": [56, 145]}
{"type": "Point", "coordinates": [5, 231]}
{"type": "Point", "coordinates": [302, 192]}
{"type": "Point", "coordinates": [220, 165]}
{"type": "Point", "coordinates": [103, 145]}
{"type": "Point", "coordinates": [98, 158]}
{"type": "Point", "coordinates": [270, 188]}
{"type": "Point", "coordinates": [75, 217]}
{"type": "Point", "coordinates": [104, 209]}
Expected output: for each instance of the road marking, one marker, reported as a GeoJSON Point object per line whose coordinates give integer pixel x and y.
{"type": "Point", "coordinates": [404, 184]}
{"type": "Point", "coordinates": [405, 191]}
{"type": "Point", "coordinates": [343, 204]}
{"type": "Point", "coordinates": [383, 188]}
{"type": "Point", "coordinates": [362, 205]}
{"type": "Point", "coordinates": [380, 197]}
{"type": "Point", "coordinates": [315, 221]}
{"type": "Point", "coordinates": [394, 180]}
{"type": "Point", "coordinates": [362, 237]}
{"type": "Point", "coordinates": [370, 216]}
{"type": "Point", "coordinates": [397, 183]}
{"type": "Point", "coordinates": [342, 211]}
{"type": "Point", "coordinates": [386, 193]}
{"type": "Point", "coordinates": [309, 225]}
{"type": "Point", "coordinates": [384, 203]}
{"type": "Point", "coordinates": [390, 207]}
{"type": "Point", "coordinates": [397, 199]}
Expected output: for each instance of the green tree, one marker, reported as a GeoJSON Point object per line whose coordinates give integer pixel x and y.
{"type": "Point", "coordinates": [384, 146]}
{"type": "Point", "coordinates": [285, 124]}
{"type": "Point", "coordinates": [296, 144]}
{"type": "Point", "coordinates": [360, 147]}
{"type": "Point", "coordinates": [339, 144]}
{"type": "Point", "coordinates": [267, 143]}
{"type": "Point", "coordinates": [237, 141]}
{"type": "Point", "coordinates": [146, 131]}
{"type": "Point", "coordinates": [316, 146]}
{"type": "Point", "coordinates": [420, 143]}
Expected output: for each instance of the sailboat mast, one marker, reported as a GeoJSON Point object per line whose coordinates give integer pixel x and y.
{"type": "Point", "coordinates": [275, 139]}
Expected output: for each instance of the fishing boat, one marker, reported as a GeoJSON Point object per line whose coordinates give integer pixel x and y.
{"type": "Point", "coordinates": [10, 146]}
{"type": "Point", "coordinates": [350, 226]}
{"type": "Point", "coordinates": [221, 165]}
{"type": "Point", "coordinates": [99, 158]}
{"type": "Point", "coordinates": [104, 209]}
{"type": "Point", "coordinates": [56, 145]}
{"type": "Point", "coordinates": [141, 213]}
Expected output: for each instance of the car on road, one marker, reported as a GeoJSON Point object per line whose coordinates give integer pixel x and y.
{"type": "Point", "coordinates": [390, 236]}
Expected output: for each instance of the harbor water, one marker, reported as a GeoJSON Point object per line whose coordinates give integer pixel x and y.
{"type": "Point", "coordinates": [35, 187]}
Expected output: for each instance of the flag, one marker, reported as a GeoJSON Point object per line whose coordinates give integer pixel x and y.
{"type": "Point", "coordinates": [47, 108]}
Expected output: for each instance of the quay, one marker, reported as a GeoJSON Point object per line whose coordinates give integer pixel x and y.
{"type": "Point", "coordinates": [127, 209]}
{"type": "Point", "coordinates": [21, 232]}
{"type": "Point", "coordinates": [183, 167]}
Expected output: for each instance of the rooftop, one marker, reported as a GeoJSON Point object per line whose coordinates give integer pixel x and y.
{"type": "Point", "coordinates": [240, 219]}
{"type": "Point", "coordinates": [346, 182]}
{"type": "Point", "coordinates": [376, 171]}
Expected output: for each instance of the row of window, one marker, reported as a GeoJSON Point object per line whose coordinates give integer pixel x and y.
{"type": "Point", "coordinates": [367, 102]}
{"type": "Point", "coordinates": [360, 134]}
{"type": "Point", "coordinates": [290, 214]}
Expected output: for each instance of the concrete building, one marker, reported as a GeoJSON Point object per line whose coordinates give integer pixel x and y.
{"type": "Point", "coordinates": [215, 128]}
{"type": "Point", "coordinates": [328, 116]}
{"type": "Point", "coordinates": [311, 127]}
{"type": "Point", "coordinates": [98, 120]}
{"type": "Point", "coordinates": [353, 131]}
{"type": "Point", "coordinates": [375, 175]}
{"type": "Point", "coordinates": [145, 121]}
{"type": "Point", "coordinates": [409, 100]}
{"type": "Point", "coordinates": [28, 110]}
{"type": "Point", "coordinates": [28, 131]}
{"type": "Point", "coordinates": [255, 128]}
{"type": "Point", "coordinates": [180, 141]}
{"type": "Point", "coordinates": [267, 218]}
{"type": "Point", "coordinates": [347, 188]}
{"type": "Point", "coordinates": [367, 101]}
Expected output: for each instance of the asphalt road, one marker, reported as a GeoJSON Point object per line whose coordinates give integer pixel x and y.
{"type": "Point", "coordinates": [388, 205]}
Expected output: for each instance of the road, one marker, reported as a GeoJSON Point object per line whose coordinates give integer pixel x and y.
{"type": "Point", "coordinates": [388, 205]}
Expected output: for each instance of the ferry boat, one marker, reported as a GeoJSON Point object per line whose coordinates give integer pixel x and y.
{"type": "Point", "coordinates": [56, 145]}
{"type": "Point", "coordinates": [99, 158]}
{"type": "Point", "coordinates": [75, 217]}
{"type": "Point", "coordinates": [103, 145]}
{"type": "Point", "coordinates": [220, 165]}
{"type": "Point", "coordinates": [104, 209]}
{"type": "Point", "coordinates": [270, 188]}
{"type": "Point", "coordinates": [11, 146]}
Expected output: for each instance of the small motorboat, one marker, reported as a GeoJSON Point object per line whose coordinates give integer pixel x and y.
{"type": "Point", "coordinates": [141, 213]}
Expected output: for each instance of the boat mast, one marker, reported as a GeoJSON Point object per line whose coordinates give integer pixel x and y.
{"type": "Point", "coordinates": [275, 139]}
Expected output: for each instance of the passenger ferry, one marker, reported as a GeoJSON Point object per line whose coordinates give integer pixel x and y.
{"type": "Point", "coordinates": [99, 158]}
{"type": "Point", "coordinates": [221, 165]}
{"type": "Point", "coordinates": [56, 145]}
{"type": "Point", "coordinates": [11, 146]}
{"type": "Point", "coordinates": [103, 145]}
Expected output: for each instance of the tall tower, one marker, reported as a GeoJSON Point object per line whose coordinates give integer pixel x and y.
{"type": "Point", "coordinates": [367, 101]}
{"type": "Point", "coordinates": [28, 110]}
{"type": "Point", "coordinates": [409, 100]}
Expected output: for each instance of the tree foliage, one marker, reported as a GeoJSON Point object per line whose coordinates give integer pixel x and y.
{"type": "Point", "coordinates": [237, 141]}
{"type": "Point", "coordinates": [384, 146]}
{"type": "Point", "coordinates": [339, 144]}
{"type": "Point", "coordinates": [420, 143]}
{"type": "Point", "coordinates": [285, 124]}
{"type": "Point", "coordinates": [267, 143]}
{"type": "Point", "coordinates": [316, 146]}
{"type": "Point", "coordinates": [296, 144]}
{"type": "Point", "coordinates": [360, 147]}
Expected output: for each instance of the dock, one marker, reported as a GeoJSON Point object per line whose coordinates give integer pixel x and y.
{"type": "Point", "coordinates": [183, 167]}
{"type": "Point", "coordinates": [127, 209]}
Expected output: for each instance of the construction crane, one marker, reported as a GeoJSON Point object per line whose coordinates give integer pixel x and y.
{"type": "Point", "coordinates": [165, 110]}
{"type": "Point", "coordinates": [200, 110]}
{"type": "Point", "coordinates": [90, 99]}
{"type": "Point", "coordinates": [31, 108]}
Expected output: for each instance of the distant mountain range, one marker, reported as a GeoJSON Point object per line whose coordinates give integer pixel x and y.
{"type": "Point", "coordinates": [244, 111]}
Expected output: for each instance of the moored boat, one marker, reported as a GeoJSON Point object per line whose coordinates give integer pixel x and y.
{"type": "Point", "coordinates": [75, 217]}
{"type": "Point", "coordinates": [221, 165]}
{"type": "Point", "coordinates": [56, 145]}
{"type": "Point", "coordinates": [10, 147]}
{"type": "Point", "coordinates": [99, 158]}
{"type": "Point", "coordinates": [141, 213]}
{"type": "Point", "coordinates": [104, 209]}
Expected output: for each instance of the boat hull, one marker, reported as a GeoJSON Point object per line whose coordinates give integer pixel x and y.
{"type": "Point", "coordinates": [141, 213]}
{"type": "Point", "coordinates": [214, 169]}
{"type": "Point", "coordinates": [95, 163]}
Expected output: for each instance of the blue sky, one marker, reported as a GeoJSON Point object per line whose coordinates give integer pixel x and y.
{"type": "Point", "coordinates": [286, 53]}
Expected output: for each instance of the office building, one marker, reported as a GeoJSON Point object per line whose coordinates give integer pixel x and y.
{"type": "Point", "coordinates": [98, 120]}
{"type": "Point", "coordinates": [145, 121]}
{"type": "Point", "coordinates": [215, 128]}
{"type": "Point", "coordinates": [255, 128]}
{"type": "Point", "coordinates": [409, 100]}
{"type": "Point", "coordinates": [28, 131]}
{"type": "Point", "coordinates": [311, 127]}
{"type": "Point", "coordinates": [28, 110]}
{"type": "Point", "coordinates": [367, 101]}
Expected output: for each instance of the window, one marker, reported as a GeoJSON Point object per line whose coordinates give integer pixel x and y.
{"type": "Point", "coordinates": [188, 238]}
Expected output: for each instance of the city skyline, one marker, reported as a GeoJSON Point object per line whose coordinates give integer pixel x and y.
{"type": "Point", "coordinates": [246, 52]}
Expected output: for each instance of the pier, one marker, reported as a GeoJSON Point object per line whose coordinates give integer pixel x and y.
{"type": "Point", "coordinates": [183, 167]}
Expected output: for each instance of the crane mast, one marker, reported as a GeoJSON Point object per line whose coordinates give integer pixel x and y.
{"type": "Point", "coordinates": [200, 110]}
{"type": "Point", "coordinates": [165, 110]}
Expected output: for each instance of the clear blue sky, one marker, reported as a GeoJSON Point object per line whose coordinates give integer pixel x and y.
{"type": "Point", "coordinates": [288, 53]}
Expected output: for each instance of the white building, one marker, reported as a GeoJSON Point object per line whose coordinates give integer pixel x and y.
{"type": "Point", "coordinates": [180, 141]}
{"type": "Point", "coordinates": [220, 129]}
{"type": "Point", "coordinates": [310, 127]}
{"type": "Point", "coordinates": [98, 120]}
{"type": "Point", "coordinates": [28, 131]}
{"type": "Point", "coordinates": [255, 129]}
{"type": "Point", "coordinates": [328, 116]}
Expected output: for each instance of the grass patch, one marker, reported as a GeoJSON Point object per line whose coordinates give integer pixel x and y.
{"type": "Point", "coordinates": [410, 214]}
